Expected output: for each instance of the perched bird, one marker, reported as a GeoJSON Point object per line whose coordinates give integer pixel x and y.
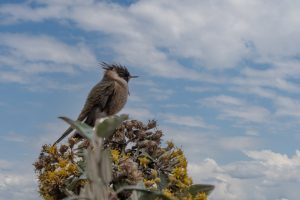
{"type": "Point", "coordinates": [106, 98]}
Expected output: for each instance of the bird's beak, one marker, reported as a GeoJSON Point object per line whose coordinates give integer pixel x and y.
{"type": "Point", "coordinates": [133, 76]}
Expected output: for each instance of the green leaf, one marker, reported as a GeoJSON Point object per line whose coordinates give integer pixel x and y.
{"type": "Point", "coordinates": [199, 188]}
{"type": "Point", "coordinates": [153, 195]}
{"type": "Point", "coordinates": [144, 194]}
{"type": "Point", "coordinates": [83, 129]}
{"type": "Point", "coordinates": [107, 127]}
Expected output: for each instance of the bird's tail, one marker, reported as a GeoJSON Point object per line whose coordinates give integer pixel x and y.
{"type": "Point", "coordinates": [67, 132]}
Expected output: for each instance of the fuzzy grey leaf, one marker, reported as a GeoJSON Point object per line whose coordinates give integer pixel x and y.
{"type": "Point", "coordinates": [106, 167]}
{"type": "Point", "coordinates": [108, 126]}
{"type": "Point", "coordinates": [83, 129]}
{"type": "Point", "coordinates": [198, 188]}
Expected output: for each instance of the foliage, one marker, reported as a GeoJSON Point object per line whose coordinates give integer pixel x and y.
{"type": "Point", "coordinates": [120, 159]}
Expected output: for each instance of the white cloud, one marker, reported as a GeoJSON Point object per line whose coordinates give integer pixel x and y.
{"type": "Point", "coordinates": [189, 121]}
{"type": "Point", "coordinates": [12, 77]}
{"type": "Point", "coordinates": [49, 133]}
{"type": "Point", "coordinates": [17, 181]}
{"type": "Point", "coordinates": [238, 142]}
{"type": "Point", "coordinates": [201, 89]}
{"type": "Point", "coordinates": [13, 137]}
{"type": "Point", "coordinates": [187, 29]}
{"type": "Point", "coordinates": [27, 57]}
{"type": "Point", "coordinates": [267, 175]}
{"type": "Point", "coordinates": [199, 144]}
{"type": "Point", "coordinates": [174, 105]}
{"type": "Point", "coordinates": [33, 48]}
{"type": "Point", "coordinates": [153, 35]}
{"type": "Point", "coordinates": [283, 105]}
{"type": "Point", "coordinates": [277, 77]}
{"type": "Point", "coordinates": [287, 106]}
{"type": "Point", "coordinates": [4, 164]}
{"type": "Point", "coordinates": [138, 113]}
{"type": "Point", "coordinates": [140, 31]}
{"type": "Point", "coordinates": [160, 94]}
{"type": "Point", "coordinates": [235, 108]}
{"type": "Point", "coordinates": [18, 186]}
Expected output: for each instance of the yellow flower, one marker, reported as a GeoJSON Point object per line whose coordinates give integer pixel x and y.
{"type": "Point", "coordinates": [168, 193]}
{"type": "Point", "coordinates": [176, 153]}
{"type": "Point", "coordinates": [51, 176]}
{"type": "Point", "coordinates": [115, 155]}
{"type": "Point", "coordinates": [62, 163]}
{"type": "Point", "coordinates": [62, 173]}
{"type": "Point", "coordinates": [48, 197]}
{"type": "Point", "coordinates": [200, 196]}
{"type": "Point", "coordinates": [179, 172]}
{"type": "Point", "coordinates": [187, 181]}
{"type": "Point", "coordinates": [182, 161]}
{"type": "Point", "coordinates": [144, 161]}
{"type": "Point", "coordinates": [125, 156]}
{"type": "Point", "coordinates": [170, 144]}
{"type": "Point", "coordinates": [72, 168]}
{"type": "Point", "coordinates": [157, 180]}
{"type": "Point", "coordinates": [153, 173]}
{"type": "Point", "coordinates": [149, 183]}
{"type": "Point", "coordinates": [52, 150]}
{"type": "Point", "coordinates": [181, 185]}
{"type": "Point", "coordinates": [188, 197]}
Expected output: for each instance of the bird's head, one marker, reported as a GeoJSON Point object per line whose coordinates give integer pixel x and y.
{"type": "Point", "coordinates": [119, 70]}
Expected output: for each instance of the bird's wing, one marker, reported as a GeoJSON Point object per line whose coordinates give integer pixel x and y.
{"type": "Point", "coordinates": [98, 97]}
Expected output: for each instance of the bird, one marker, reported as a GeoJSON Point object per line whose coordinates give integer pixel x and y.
{"type": "Point", "coordinates": [106, 98]}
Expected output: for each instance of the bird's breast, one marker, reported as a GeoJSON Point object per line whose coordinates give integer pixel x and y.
{"type": "Point", "coordinates": [118, 99]}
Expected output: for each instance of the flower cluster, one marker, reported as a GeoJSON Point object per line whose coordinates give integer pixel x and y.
{"type": "Point", "coordinates": [137, 156]}
{"type": "Point", "coordinates": [54, 168]}
{"type": "Point", "coordinates": [162, 168]}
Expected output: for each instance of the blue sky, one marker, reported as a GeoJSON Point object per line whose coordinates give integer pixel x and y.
{"type": "Point", "coordinates": [221, 78]}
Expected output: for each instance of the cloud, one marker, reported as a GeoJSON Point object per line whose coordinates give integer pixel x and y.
{"type": "Point", "coordinates": [160, 94]}
{"type": "Point", "coordinates": [51, 131]}
{"type": "Point", "coordinates": [287, 106]}
{"type": "Point", "coordinates": [201, 89]}
{"type": "Point", "coordinates": [26, 58]}
{"type": "Point", "coordinates": [240, 143]}
{"type": "Point", "coordinates": [262, 177]}
{"type": "Point", "coordinates": [127, 27]}
{"type": "Point", "coordinates": [185, 29]}
{"type": "Point", "coordinates": [138, 113]}
{"type": "Point", "coordinates": [17, 182]}
{"type": "Point", "coordinates": [189, 121]}
{"type": "Point", "coordinates": [279, 76]}
{"type": "Point", "coordinates": [18, 186]}
{"type": "Point", "coordinates": [155, 35]}
{"type": "Point", "coordinates": [42, 48]}
{"type": "Point", "coordinates": [13, 137]}
{"type": "Point", "coordinates": [235, 108]}
{"type": "Point", "coordinates": [4, 164]}
{"type": "Point", "coordinates": [283, 105]}
{"type": "Point", "coordinates": [199, 144]}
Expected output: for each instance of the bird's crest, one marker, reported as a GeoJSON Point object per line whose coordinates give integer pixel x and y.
{"type": "Point", "coordinates": [120, 69]}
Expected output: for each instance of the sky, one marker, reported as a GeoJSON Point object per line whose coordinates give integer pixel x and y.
{"type": "Point", "coordinates": [220, 77]}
